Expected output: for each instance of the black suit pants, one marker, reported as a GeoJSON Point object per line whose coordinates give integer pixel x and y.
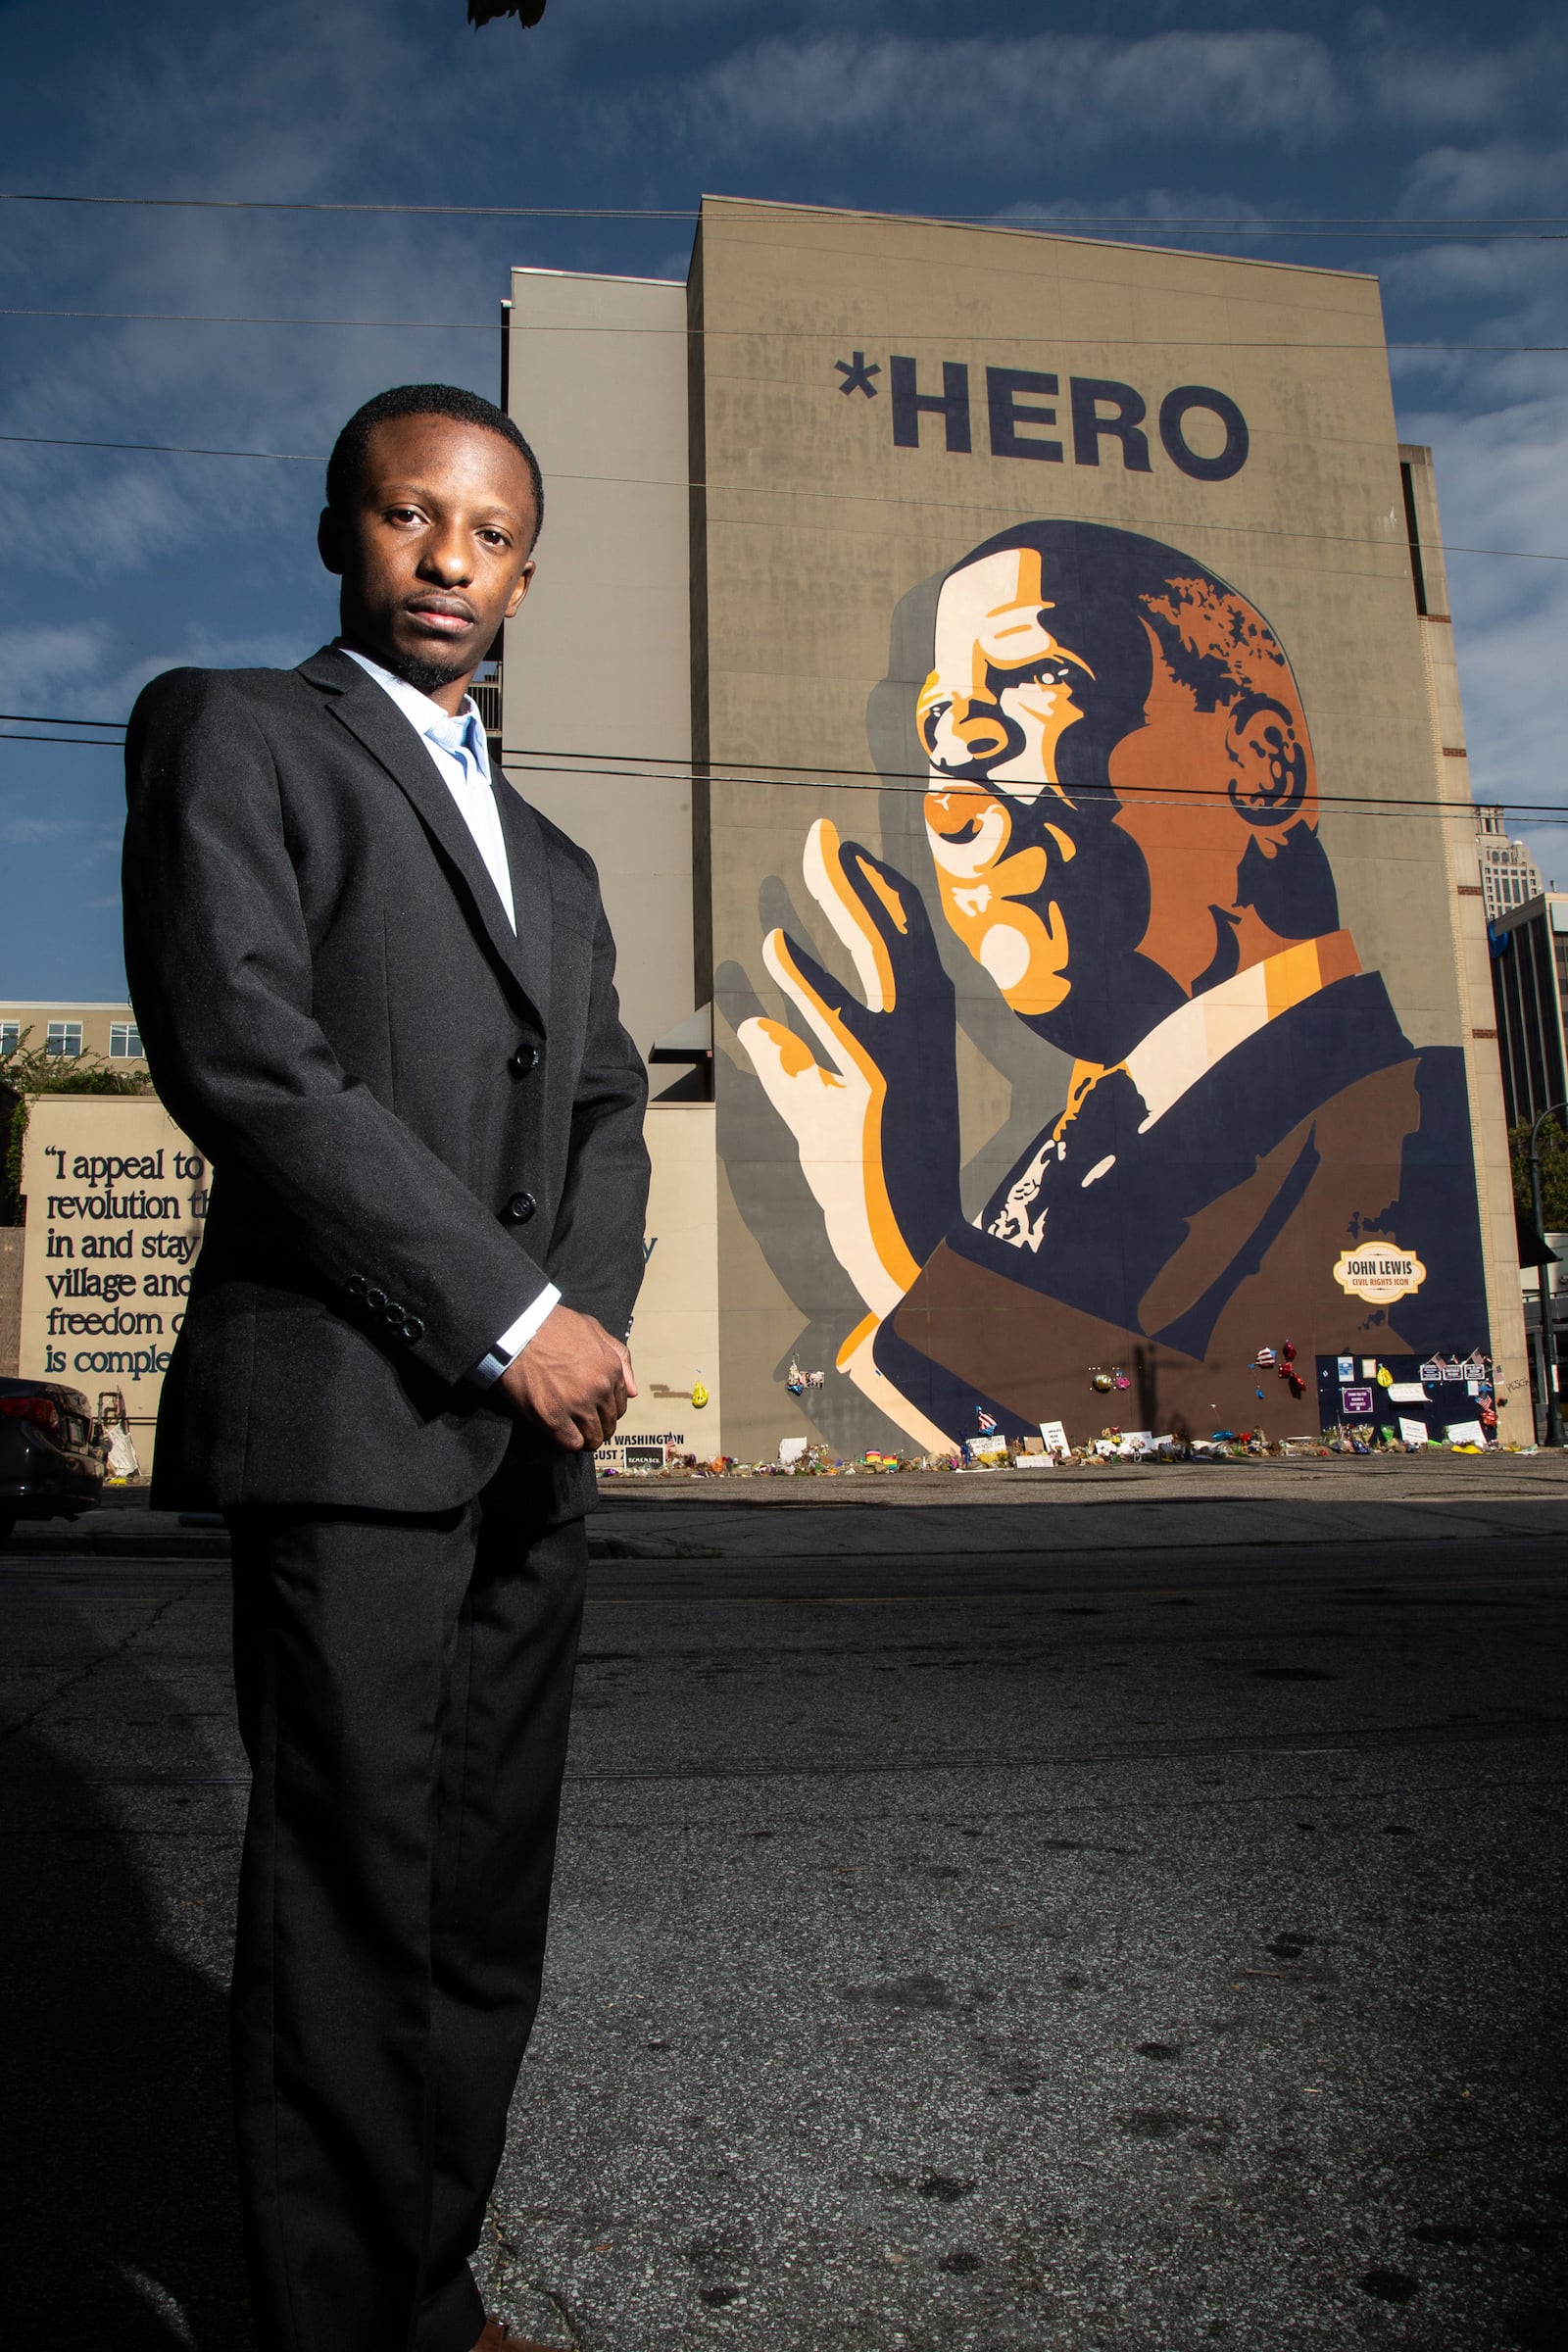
{"type": "Point", "coordinates": [404, 1689]}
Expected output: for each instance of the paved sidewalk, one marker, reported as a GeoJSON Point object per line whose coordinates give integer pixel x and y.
{"type": "Point", "coordinates": [1005, 1947]}
{"type": "Point", "coordinates": [1344, 1500]}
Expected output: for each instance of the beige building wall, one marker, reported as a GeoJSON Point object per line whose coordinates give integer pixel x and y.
{"type": "Point", "coordinates": [674, 1333]}
{"type": "Point", "coordinates": [596, 677]}
{"type": "Point", "coordinates": [818, 526]}
{"type": "Point", "coordinates": [1472, 958]}
{"type": "Point", "coordinates": [11, 1240]}
{"type": "Point", "coordinates": [116, 1198]}
{"type": "Point", "coordinates": [97, 1024]}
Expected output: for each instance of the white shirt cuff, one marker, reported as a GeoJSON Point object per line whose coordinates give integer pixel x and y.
{"type": "Point", "coordinates": [514, 1338]}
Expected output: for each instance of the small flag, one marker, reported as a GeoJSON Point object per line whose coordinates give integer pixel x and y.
{"type": "Point", "coordinates": [985, 1423]}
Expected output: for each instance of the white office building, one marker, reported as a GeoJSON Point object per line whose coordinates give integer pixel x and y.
{"type": "Point", "coordinates": [1509, 875]}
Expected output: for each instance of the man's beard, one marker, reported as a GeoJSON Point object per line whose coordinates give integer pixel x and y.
{"type": "Point", "coordinates": [422, 671]}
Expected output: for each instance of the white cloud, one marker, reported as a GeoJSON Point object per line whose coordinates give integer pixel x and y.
{"type": "Point", "coordinates": [1425, 92]}
{"type": "Point", "coordinates": [1057, 93]}
{"type": "Point", "coordinates": [1138, 204]}
{"type": "Point", "coordinates": [1502, 482]}
{"type": "Point", "coordinates": [88, 517]}
{"type": "Point", "coordinates": [1050, 93]}
{"type": "Point", "coordinates": [36, 832]}
{"type": "Point", "coordinates": [35, 662]}
{"type": "Point", "coordinates": [1487, 270]}
{"type": "Point", "coordinates": [79, 668]}
{"type": "Point", "coordinates": [197, 649]}
{"type": "Point", "coordinates": [1467, 182]}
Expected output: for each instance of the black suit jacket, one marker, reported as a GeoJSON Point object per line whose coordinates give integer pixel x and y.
{"type": "Point", "coordinates": [416, 1118]}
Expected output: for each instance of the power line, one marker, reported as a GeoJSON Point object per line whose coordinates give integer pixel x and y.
{"type": "Point", "coordinates": [769, 775]}
{"type": "Point", "coordinates": [968, 505]}
{"type": "Point", "coordinates": [276, 203]}
{"type": "Point", "coordinates": [162, 449]}
{"type": "Point", "coordinates": [41, 718]}
{"type": "Point", "coordinates": [490, 327]}
{"type": "Point", "coordinates": [93, 743]}
{"type": "Point", "coordinates": [658, 768]}
{"type": "Point", "coordinates": [1548, 225]}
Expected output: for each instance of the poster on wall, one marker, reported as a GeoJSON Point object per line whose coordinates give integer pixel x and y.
{"type": "Point", "coordinates": [117, 1205]}
{"type": "Point", "coordinates": [1119, 834]}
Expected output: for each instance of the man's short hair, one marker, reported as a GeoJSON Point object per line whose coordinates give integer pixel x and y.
{"type": "Point", "coordinates": [347, 462]}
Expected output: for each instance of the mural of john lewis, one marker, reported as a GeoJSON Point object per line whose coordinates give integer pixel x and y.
{"type": "Point", "coordinates": [1122, 825]}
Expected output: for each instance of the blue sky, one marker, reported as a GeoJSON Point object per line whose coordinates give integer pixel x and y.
{"type": "Point", "coordinates": [118, 565]}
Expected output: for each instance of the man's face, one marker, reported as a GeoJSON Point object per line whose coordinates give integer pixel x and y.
{"type": "Point", "coordinates": [1003, 692]}
{"type": "Point", "coordinates": [1095, 908]}
{"type": "Point", "coordinates": [434, 555]}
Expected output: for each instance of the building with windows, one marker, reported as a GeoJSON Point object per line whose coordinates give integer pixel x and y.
{"type": "Point", "coordinates": [1509, 875]}
{"type": "Point", "coordinates": [1530, 986]}
{"type": "Point", "coordinates": [1006, 683]}
{"type": "Point", "coordinates": [68, 1030]}
{"type": "Point", "coordinates": [107, 1031]}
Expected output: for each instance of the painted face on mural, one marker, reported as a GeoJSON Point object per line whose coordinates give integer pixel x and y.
{"type": "Point", "coordinates": [1004, 690]}
{"type": "Point", "coordinates": [1109, 783]}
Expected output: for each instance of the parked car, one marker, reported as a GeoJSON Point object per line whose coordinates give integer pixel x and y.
{"type": "Point", "coordinates": [53, 1453]}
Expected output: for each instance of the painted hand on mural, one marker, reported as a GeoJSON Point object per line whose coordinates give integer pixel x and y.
{"type": "Point", "coordinates": [876, 1118]}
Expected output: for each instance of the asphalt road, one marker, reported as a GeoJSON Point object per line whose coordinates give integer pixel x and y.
{"type": "Point", "coordinates": [1045, 1932]}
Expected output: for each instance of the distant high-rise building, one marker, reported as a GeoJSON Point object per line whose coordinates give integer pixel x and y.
{"type": "Point", "coordinates": [1509, 875]}
{"type": "Point", "coordinates": [1530, 984]}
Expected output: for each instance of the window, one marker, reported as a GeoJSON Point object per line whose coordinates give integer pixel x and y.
{"type": "Point", "coordinates": [10, 1038]}
{"type": "Point", "coordinates": [62, 1037]}
{"type": "Point", "coordinates": [125, 1042]}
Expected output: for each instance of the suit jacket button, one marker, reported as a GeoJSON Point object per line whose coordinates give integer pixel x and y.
{"type": "Point", "coordinates": [374, 1299]}
{"type": "Point", "coordinates": [355, 1286]}
{"type": "Point", "coordinates": [413, 1329]}
{"type": "Point", "coordinates": [520, 1209]}
{"type": "Point", "coordinates": [524, 1058]}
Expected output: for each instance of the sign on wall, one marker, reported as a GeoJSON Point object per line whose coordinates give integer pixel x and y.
{"type": "Point", "coordinates": [116, 1198]}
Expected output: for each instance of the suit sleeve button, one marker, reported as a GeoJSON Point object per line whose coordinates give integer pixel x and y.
{"type": "Point", "coordinates": [394, 1311]}
{"type": "Point", "coordinates": [520, 1209]}
{"type": "Point", "coordinates": [413, 1329]}
{"type": "Point", "coordinates": [524, 1058]}
{"type": "Point", "coordinates": [355, 1286]}
{"type": "Point", "coordinates": [374, 1299]}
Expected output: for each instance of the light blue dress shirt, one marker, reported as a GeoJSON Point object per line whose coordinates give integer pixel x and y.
{"type": "Point", "coordinates": [462, 759]}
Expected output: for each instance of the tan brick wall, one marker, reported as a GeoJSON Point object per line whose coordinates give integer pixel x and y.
{"type": "Point", "coordinates": [12, 1238]}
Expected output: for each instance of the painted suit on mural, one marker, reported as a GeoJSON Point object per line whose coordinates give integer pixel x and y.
{"type": "Point", "coordinates": [1122, 823]}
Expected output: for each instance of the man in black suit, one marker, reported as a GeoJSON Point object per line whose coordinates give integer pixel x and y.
{"type": "Point", "coordinates": [378, 994]}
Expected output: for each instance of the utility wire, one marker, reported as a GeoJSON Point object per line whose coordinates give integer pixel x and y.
{"type": "Point", "coordinates": [917, 784]}
{"type": "Point", "coordinates": [653, 767]}
{"type": "Point", "coordinates": [275, 204]}
{"type": "Point", "coordinates": [41, 718]}
{"type": "Point", "coordinates": [968, 505]}
{"type": "Point", "coordinates": [163, 449]}
{"type": "Point", "coordinates": [1550, 225]}
{"type": "Point", "coordinates": [92, 743]}
{"type": "Point", "coordinates": [490, 327]}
